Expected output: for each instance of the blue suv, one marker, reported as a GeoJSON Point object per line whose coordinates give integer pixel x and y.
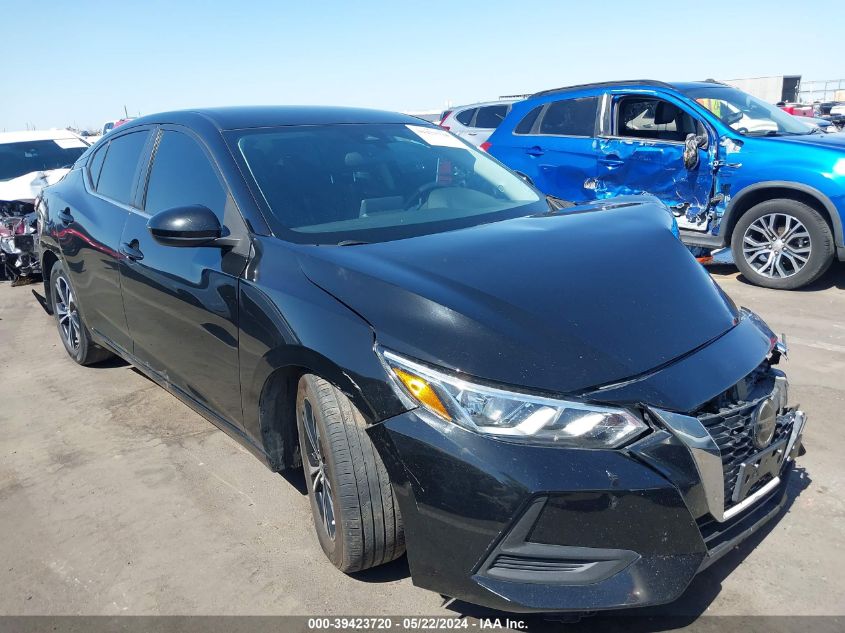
{"type": "Point", "coordinates": [735, 171]}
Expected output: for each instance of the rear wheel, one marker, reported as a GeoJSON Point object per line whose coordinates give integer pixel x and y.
{"type": "Point", "coordinates": [72, 330]}
{"type": "Point", "coordinates": [782, 244]}
{"type": "Point", "coordinates": [356, 515]}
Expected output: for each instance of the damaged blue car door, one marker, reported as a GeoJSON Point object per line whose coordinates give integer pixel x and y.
{"type": "Point", "coordinates": [649, 143]}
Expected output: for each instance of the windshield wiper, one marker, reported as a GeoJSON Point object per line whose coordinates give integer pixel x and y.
{"type": "Point", "coordinates": [558, 203]}
{"type": "Point", "coordinates": [350, 243]}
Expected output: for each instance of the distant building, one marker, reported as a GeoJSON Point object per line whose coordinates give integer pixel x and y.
{"type": "Point", "coordinates": [772, 89]}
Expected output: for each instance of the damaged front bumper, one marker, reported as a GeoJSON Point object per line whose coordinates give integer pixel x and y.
{"type": "Point", "coordinates": [531, 528]}
{"type": "Point", "coordinates": [523, 527]}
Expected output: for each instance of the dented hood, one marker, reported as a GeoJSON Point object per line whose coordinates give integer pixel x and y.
{"type": "Point", "coordinates": [558, 302]}
{"type": "Point", "coordinates": [28, 186]}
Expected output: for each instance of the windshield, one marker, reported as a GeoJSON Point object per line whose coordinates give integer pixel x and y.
{"type": "Point", "coordinates": [377, 182]}
{"type": "Point", "coordinates": [17, 159]}
{"type": "Point", "coordinates": [746, 114]}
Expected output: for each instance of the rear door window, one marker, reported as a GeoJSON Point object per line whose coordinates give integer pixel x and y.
{"type": "Point", "coordinates": [183, 175]}
{"type": "Point", "coordinates": [489, 117]}
{"type": "Point", "coordinates": [120, 166]}
{"type": "Point", "coordinates": [571, 117]}
{"type": "Point", "coordinates": [465, 117]}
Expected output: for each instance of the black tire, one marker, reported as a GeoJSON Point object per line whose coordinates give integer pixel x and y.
{"type": "Point", "coordinates": [367, 524]}
{"type": "Point", "coordinates": [819, 242]}
{"type": "Point", "coordinates": [81, 348]}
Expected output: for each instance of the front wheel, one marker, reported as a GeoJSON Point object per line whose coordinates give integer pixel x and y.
{"type": "Point", "coordinates": [356, 515]}
{"type": "Point", "coordinates": [72, 330]}
{"type": "Point", "coordinates": [782, 244]}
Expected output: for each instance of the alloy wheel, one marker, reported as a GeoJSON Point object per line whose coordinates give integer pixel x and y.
{"type": "Point", "coordinates": [318, 470]}
{"type": "Point", "coordinates": [776, 245]}
{"type": "Point", "coordinates": [67, 313]}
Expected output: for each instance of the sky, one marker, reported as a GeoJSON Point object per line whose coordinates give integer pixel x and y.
{"type": "Point", "coordinates": [79, 63]}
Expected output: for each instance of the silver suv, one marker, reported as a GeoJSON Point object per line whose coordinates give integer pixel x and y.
{"type": "Point", "coordinates": [476, 122]}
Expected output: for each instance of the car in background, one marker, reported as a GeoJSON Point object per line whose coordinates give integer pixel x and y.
{"type": "Point", "coordinates": [108, 126]}
{"type": "Point", "coordinates": [837, 109]}
{"type": "Point", "coordinates": [825, 125]}
{"type": "Point", "coordinates": [824, 110]}
{"type": "Point", "coordinates": [796, 109]}
{"type": "Point", "coordinates": [736, 171]}
{"type": "Point", "coordinates": [29, 161]}
{"type": "Point", "coordinates": [458, 366]}
{"type": "Point", "coordinates": [476, 122]}
{"type": "Point", "coordinates": [33, 159]}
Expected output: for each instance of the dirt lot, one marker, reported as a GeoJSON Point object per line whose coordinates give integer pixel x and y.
{"type": "Point", "coordinates": [117, 499]}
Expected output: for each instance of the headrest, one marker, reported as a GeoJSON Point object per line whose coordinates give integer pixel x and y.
{"type": "Point", "coordinates": [664, 113]}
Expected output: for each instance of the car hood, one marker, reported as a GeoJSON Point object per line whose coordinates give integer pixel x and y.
{"type": "Point", "coordinates": [834, 141]}
{"type": "Point", "coordinates": [558, 302]}
{"type": "Point", "coordinates": [28, 186]}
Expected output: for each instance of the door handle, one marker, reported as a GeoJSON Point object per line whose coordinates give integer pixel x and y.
{"type": "Point", "coordinates": [472, 133]}
{"type": "Point", "coordinates": [131, 251]}
{"type": "Point", "coordinates": [535, 151]}
{"type": "Point", "coordinates": [65, 216]}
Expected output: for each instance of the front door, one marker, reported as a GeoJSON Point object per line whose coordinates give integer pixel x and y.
{"type": "Point", "coordinates": [90, 231]}
{"type": "Point", "coordinates": [645, 151]}
{"type": "Point", "coordinates": [182, 302]}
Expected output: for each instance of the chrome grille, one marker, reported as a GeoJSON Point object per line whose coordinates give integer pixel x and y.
{"type": "Point", "coordinates": [729, 420]}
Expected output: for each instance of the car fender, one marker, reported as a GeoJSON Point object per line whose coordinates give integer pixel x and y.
{"type": "Point", "coordinates": [736, 205]}
{"type": "Point", "coordinates": [289, 327]}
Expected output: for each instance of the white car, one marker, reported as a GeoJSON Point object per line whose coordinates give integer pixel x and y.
{"type": "Point", "coordinates": [838, 109]}
{"type": "Point", "coordinates": [32, 160]}
{"type": "Point", "coordinates": [476, 122]}
{"type": "Point", "coordinates": [29, 161]}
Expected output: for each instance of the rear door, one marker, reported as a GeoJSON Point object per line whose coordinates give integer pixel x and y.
{"type": "Point", "coordinates": [90, 233]}
{"type": "Point", "coordinates": [182, 302]}
{"type": "Point", "coordinates": [461, 122]}
{"type": "Point", "coordinates": [558, 150]}
{"type": "Point", "coordinates": [642, 150]}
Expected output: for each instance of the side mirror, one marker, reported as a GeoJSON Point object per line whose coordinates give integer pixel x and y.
{"type": "Point", "coordinates": [194, 225]}
{"type": "Point", "coordinates": [692, 143]}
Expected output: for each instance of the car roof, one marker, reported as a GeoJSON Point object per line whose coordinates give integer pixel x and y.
{"type": "Point", "coordinates": [483, 103]}
{"type": "Point", "coordinates": [240, 117]}
{"type": "Point", "coordinates": [35, 135]}
{"type": "Point", "coordinates": [629, 83]}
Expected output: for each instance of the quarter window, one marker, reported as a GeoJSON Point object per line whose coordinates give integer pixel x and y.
{"type": "Point", "coordinates": [571, 117]}
{"type": "Point", "coordinates": [465, 117]}
{"type": "Point", "coordinates": [182, 175]}
{"type": "Point", "coordinates": [527, 123]}
{"type": "Point", "coordinates": [96, 164]}
{"type": "Point", "coordinates": [120, 167]}
{"type": "Point", "coordinates": [489, 117]}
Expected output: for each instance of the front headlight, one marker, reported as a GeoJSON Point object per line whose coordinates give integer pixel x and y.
{"type": "Point", "coordinates": [509, 414]}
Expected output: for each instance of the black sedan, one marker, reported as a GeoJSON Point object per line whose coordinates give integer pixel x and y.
{"type": "Point", "coordinates": [463, 368]}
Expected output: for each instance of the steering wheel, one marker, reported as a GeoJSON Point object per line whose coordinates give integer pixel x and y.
{"type": "Point", "coordinates": [421, 194]}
